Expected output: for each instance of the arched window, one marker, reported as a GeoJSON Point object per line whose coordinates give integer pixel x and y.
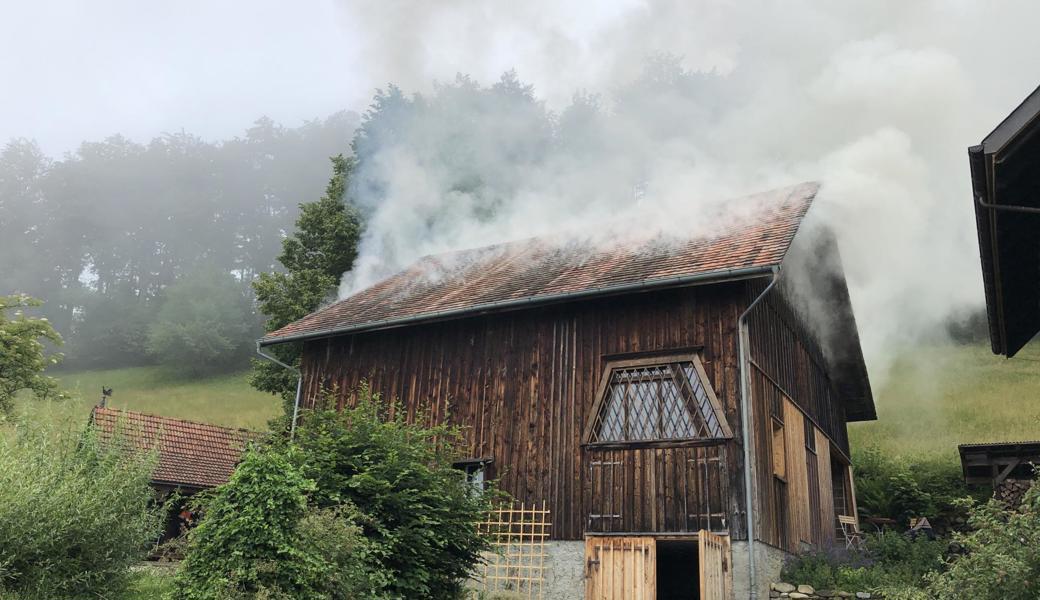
{"type": "Point", "coordinates": [659, 400]}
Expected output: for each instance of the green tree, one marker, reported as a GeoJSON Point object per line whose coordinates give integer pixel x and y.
{"type": "Point", "coordinates": [23, 352]}
{"type": "Point", "coordinates": [314, 258]}
{"type": "Point", "coordinates": [204, 323]}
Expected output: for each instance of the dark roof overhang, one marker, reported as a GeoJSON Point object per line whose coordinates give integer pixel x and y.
{"type": "Point", "coordinates": [1005, 178]}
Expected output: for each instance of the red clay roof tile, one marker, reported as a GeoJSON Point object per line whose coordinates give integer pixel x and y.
{"type": "Point", "coordinates": [191, 454]}
{"type": "Point", "coordinates": [540, 269]}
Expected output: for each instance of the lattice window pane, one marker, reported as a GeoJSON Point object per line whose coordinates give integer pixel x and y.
{"type": "Point", "coordinates": [657, 402]}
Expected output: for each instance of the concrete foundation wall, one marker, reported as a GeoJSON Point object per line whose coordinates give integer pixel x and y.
{"type": "Point", "coordinates": [565, 578]}
{"type": "Point", "coordinates": [564, 572]}
{"type": "Point", "coordinates": [768, 562]}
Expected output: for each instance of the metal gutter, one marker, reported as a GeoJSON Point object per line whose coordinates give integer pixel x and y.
{"type": "Point", "coordinates": [743, 360]}
{"type": "Point", "coordinates": [711, 276]}
{"type": "Point", "coordinates": [299, 387]}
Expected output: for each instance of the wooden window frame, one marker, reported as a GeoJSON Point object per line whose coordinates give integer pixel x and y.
{"type": "Point", "coordinates": [653, 361]}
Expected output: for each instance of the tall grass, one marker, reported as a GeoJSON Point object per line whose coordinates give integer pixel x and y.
{"type": "Point", "coordinates": [75, 514]}
{"type": "Point", "coordinates": [220, 399]}
{"type": "Point", "coordinates": [937, 397]}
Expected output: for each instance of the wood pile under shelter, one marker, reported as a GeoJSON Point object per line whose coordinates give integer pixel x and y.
{"type": "Point", "coordinates": [1008, 467]}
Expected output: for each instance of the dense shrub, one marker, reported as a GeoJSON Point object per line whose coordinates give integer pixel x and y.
{"type": "Point", "coordinates": [74, 515]}
{"type": "Point", "coordinates": [889, 560]}
{"type": "Point", "coordinates": [932, 487]}
{"type": "Point", "coordinates": [420, 512]}
{"type": "Point", "coordinates": [259, 538]}
{"type": "Point", "coordinates": [1000, 559]}
{"type": "Point", "coordinates": [360, 505]}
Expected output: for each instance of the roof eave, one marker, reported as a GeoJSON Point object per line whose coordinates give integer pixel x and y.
{"type": "Point", "coordinates": [979, 162]}
{"type": "Point", "coordinates": [717, 276]}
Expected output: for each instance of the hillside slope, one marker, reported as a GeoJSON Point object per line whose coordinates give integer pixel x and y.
{"type": "Point", "coordinates": [221, 400]}
{"type": "Point", "coordinates": [939, 396]}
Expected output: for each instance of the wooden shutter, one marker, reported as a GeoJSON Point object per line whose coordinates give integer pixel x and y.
{"type": "Point", "coordinates": [620, 568]}
{"type": "Point", "coordinates": [714, 557]}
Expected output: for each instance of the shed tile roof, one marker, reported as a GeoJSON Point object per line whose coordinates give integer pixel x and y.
{"type": "Point", "coordinates": [196, 455]}
{"type": "Point", "coordinates": [544, 269]}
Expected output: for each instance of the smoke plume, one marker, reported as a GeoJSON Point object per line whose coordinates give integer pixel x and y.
{"type": "Point", "coordinates": [659, 107]}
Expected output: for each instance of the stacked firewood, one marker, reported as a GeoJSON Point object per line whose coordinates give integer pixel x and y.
{"type": "Point", "coordinates": [1011, 491]}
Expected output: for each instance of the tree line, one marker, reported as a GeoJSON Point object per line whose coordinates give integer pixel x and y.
{"type": "Point", "coordinates": [179, 249]}
{"type": "Point", "coordinates": [103, 234]}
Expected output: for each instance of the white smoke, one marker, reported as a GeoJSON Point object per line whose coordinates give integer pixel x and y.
{"type": "Point", "coordinates": [878, 100]}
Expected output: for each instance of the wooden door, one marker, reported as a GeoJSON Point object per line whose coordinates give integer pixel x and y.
{"type": "Point", "coordinates": [713, 555]}
{"type": "Point", "coordinates": [620, 568]}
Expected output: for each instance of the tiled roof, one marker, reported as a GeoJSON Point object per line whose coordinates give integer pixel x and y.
{"type": "Point", "coordinates": [543, 269]}
{"type": "Point", "coordinates": [191, 454]}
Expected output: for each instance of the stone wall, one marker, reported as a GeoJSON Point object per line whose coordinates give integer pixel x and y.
{"type": "Point", "coordinates": [788, 590]}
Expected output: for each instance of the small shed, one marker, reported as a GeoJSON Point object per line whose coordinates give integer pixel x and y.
{"type": "Point", "coordinates": [192, 456]}
{"type": "Point", "coordinates": [1006, 466]}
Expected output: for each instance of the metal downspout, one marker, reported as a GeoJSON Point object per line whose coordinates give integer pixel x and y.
{"type": "Point", "coordinates": [299, 387]}
{"type": "Point", "coordinates": [745, 419]}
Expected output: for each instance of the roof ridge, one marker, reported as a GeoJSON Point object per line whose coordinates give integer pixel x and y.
{"type": "Point", "coordinates": [175, 419]}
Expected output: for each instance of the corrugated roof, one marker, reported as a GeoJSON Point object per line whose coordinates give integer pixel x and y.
{"type": "Point", "coordinates": [544, 269]}
{"type": "Point", "coordinates": [191, 454]}
{"type": "Point", "coordinates": [999, 445]}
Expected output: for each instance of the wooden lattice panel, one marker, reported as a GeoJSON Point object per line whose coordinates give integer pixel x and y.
{"type": "Point", "coordinates": [516, 566]}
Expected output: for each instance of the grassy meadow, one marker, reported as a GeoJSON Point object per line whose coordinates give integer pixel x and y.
{"type": "Point", "coordinates": [939, 396]}
{"type": "Point", "coordinates": [219, 399]}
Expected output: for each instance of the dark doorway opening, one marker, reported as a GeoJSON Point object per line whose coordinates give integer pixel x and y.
{"type": "Point", "coordinates": [677, 571]}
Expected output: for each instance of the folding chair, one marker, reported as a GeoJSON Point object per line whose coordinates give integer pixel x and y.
{"type": "Point", "coordinates": [854, 538]}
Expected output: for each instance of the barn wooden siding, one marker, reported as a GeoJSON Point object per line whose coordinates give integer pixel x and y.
{"type": "Point", "coordinates": [790, 385]}
{"type": "Point", "coordinates": [522, 383]}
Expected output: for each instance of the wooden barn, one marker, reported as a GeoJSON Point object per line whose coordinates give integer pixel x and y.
{"type": "Point", "coordinates": [665, 400]}
{"type": "Point", "coordinates": [192, 457]}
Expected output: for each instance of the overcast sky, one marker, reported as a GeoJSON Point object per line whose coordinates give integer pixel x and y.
{"type": "Point", "coordinates": [84, 70]}
{"type": "Point", "coordinates": [74, 70]}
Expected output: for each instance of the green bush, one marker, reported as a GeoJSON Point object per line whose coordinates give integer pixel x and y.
{"type": "Point", "coordinates": [420, 512]}
{"type": "Point", "coordinates": [74, 515]}
{"type": "Point", "coordinates": [259, 538]}
{"type": "Point", "coordinates": [358, 506]}
{"type": "Point", "coordinates": [887, 560]}
{"type": "Point", "coordinates": [899, 489]}
{"type": "Point", "coordinates": [1000, 559]}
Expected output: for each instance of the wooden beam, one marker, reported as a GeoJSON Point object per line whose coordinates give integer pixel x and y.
{"type": "Point", "coordinates": [1003, 474]}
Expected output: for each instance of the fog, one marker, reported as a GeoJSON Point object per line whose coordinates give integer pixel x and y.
{"type": "Point", "coordinates": [635, 110]}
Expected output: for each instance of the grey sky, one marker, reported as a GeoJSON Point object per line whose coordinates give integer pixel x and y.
{"type": "Point", "coordinates": [84, 70]}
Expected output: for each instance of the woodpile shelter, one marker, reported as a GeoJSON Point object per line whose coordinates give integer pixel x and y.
{"type": "Point", "coordinates": [1007, 467]}
{"type": "Point", "coordinates": [191, 456]}
{"type": "Point", "coordinates": [666, 400]}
